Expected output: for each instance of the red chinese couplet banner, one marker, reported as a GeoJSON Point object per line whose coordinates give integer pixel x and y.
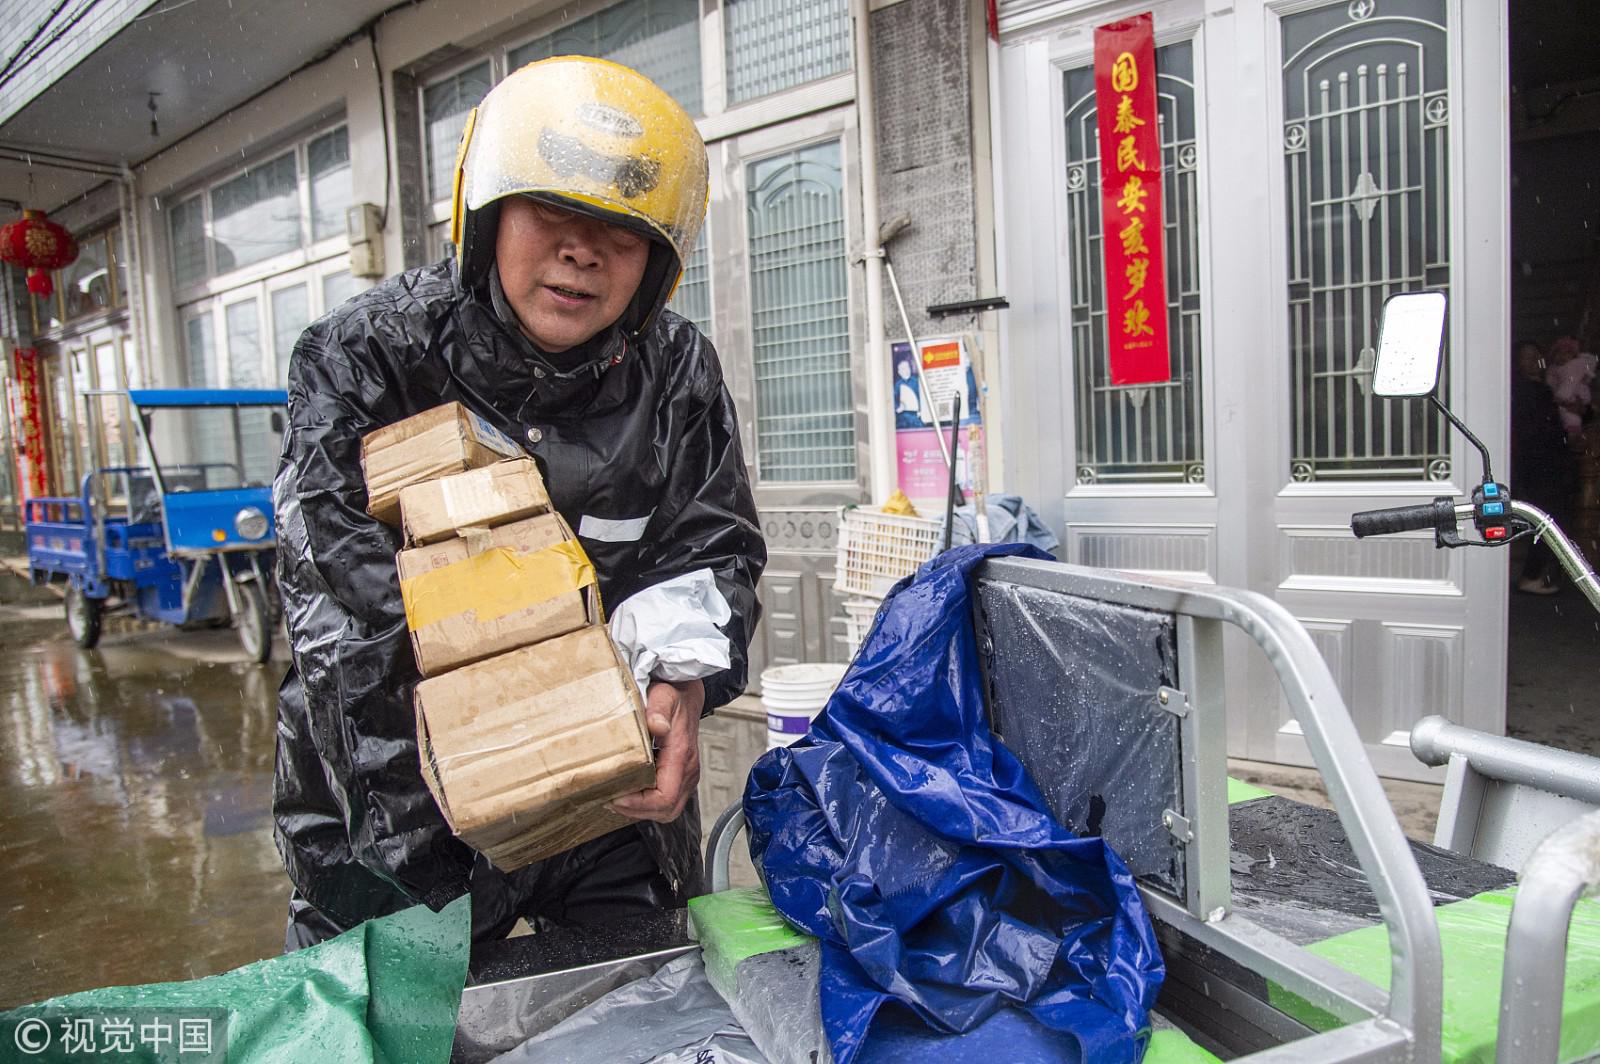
{"type": "Point", "coordinates": [29, 437]}
{"type": "Point", "coordinates": [1130, 200]}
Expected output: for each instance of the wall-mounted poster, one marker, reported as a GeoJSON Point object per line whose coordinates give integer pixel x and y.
{"type": "Point", "coordinates": [947, 373]}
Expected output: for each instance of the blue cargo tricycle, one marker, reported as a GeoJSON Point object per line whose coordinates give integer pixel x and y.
{"type": "Point", "coordinates": [187, 539]}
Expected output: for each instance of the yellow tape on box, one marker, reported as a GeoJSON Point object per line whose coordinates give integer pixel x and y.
{"type": "Point", "coordinates": [495, 583]}
{"type": "Point", "coordinates": [488, 592]}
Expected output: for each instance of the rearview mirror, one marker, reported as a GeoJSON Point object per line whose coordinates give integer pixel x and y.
{"type": "Point", "coordinates": [1410, 338]}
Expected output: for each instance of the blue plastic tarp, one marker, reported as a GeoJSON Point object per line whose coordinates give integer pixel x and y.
{"type": "Point", "coordinates": [956, 914]}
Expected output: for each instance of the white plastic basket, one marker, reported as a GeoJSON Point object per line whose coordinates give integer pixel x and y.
{"type": "Point", "coordinates": [859, 613]}
{"type": "Point", "coordinates": [877, 549]}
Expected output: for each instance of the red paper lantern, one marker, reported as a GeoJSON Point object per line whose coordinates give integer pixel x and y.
{"type": "Point", "coordinates": [38, 245]}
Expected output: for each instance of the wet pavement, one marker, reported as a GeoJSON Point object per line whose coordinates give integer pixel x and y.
{"type": "Point", "coordinates": [135, 789]}
{"type": "Point", "coordinates": [1554, 661]}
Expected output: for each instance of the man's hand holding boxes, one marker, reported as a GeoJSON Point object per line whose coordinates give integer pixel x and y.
{"type": "Point", "coordinates": [528, 721]}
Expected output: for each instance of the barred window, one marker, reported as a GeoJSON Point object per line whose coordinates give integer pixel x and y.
{"type": "Point", "coordinates": [693, 297]}
{"type": "Point", "coordinates": [1365, 142]}
{"type": "Point", "coordinates": [805, 426]}
{"type": "Point", "coordinates": [773, 45]}
{"type": "Point", "coordinates": [1146, 432]}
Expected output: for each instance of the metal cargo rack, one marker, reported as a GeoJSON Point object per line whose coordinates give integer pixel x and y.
{"type": "Point", "coordinates": [1109, 687]}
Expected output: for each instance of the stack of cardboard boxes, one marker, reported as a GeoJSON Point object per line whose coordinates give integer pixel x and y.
{"type": "Point", "coordinates": [527, 722]}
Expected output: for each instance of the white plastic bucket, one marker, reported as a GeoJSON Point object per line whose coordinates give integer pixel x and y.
{"type": "Point", "coordinates": [792, 695]}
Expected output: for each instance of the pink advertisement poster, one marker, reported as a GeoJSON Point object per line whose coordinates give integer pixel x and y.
{"type": "Point", "coordinates": [946, 375]}
{"type": "Point", "coordinates": [923, 474]}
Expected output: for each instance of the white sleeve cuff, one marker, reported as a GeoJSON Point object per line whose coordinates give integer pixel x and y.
{"type": "Point", "coordinates": [669, 631]}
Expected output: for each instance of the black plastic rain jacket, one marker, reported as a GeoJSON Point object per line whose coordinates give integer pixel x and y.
{"type": "Point", "coordinates": [645, 428]}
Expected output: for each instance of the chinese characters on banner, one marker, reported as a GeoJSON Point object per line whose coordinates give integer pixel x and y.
{"type": "Point", "coordinates": [28, 426]}
{"type": "Point", "coordinates": [1130, 200]}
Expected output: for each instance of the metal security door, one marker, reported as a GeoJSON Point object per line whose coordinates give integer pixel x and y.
{"type": "Point", "coordinates": [1140, 495]}
{"type": "Point", "coordinates": [1314, 155]}
{"type": "Point", "coordinates": [1370, 208]}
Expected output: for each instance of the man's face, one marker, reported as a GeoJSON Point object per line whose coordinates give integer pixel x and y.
{"type": "Point", "coordinates": [567, 276]}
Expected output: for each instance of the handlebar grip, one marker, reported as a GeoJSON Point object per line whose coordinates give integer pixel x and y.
{"type": "Point", "coordinates": [1436, 514]}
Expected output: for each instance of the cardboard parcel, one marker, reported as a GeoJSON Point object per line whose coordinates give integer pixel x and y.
{"type": "Point", "coordinates": [447, 439]}
{"type": "Point", "coordinates": [478, 498]}
{"type": "Point", "coordinates": [495, 590]}
{"type": "Point", "coordinates": [522, 751]}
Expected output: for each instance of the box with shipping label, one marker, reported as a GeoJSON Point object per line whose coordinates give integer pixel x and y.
{"type": "Point", "coordinates": [487, 592]}
{"type": "Point", "coordinates": [479, 498]}
{"type": "Point", "coordinates": [447, 439]}
{"type": "Point", "coordinates": [522, 751]}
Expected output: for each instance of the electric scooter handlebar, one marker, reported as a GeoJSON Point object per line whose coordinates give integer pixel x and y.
{"type": "Point", "coordinates": [1440, 513]}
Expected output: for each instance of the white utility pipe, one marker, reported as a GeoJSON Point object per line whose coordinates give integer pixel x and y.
{"type": "Point", "coordinates": [132, 251]}
{"type": "Point", "coordinates": [880, 406]}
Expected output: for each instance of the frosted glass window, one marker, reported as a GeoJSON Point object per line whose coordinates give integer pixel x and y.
{"type": "Point", "coordinates": [805, 423]}
{"type": "Point", "coordinates": [188, 226]}
{"type": "Point", "coordinates": [72, 441]}
{"type": "Point", "coordinates": [328, 158]}
{"type": "Point", "coordinates": [86, 284]}
{"type": "Point", "coordinates": [658, 38]}
{"type": "Point", "coordinates": [336, 288]}
{"type": "Point", "coordinates": [445, 106]}
{"type": "Point", "coordinates": [115, 433]}
{"type": "Point", "coordinates": [244, 344]}
{"type": "Point", "coordinates": [256, 215]}
{"type": "Point", "coordinates": [693, 297]}
{"type": "Point", "coordinates": [257, 455]}
{"type": "Point", "coordinates": [199, 353]}
{"type": "Point", "coordinates": [291, 313]}
{"type": "Point", "coordinates": [777, 44]}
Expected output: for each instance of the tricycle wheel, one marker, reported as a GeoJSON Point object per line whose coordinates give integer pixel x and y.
{"type": "Point", "coordinates": [83, 616]}
{"type": "Point", "coordinates": [255, 624]}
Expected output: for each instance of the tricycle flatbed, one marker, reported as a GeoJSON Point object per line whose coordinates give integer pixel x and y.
{"type": "Point", "coordinates": [186, 543]}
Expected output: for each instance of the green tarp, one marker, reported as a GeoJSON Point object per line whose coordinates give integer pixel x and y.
{"type": "Point", "coordinates": [1240, 791]}
{"type": "Point", "coordinates": [386, 992]}
{"type": "Point", "coordinates": [1472, 934]}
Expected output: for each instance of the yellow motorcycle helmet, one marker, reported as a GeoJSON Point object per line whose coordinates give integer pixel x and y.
{"type": "Point", "coordinates": [592, 136]}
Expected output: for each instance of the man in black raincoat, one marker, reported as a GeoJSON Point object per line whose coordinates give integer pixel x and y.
{"type": "Point", "coordinates": [581, 188]}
